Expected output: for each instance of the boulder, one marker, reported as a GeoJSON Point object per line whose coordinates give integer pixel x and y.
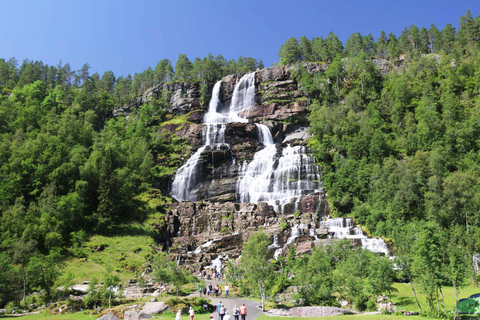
{"type": "Point", "coordinates": [133, 315]}
{"type": "Point", "coordinates": [109, 316]}
{"type": "Point", "coordinates": [152, 308]}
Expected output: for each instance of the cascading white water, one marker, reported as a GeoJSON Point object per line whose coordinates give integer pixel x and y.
{"type": "Point", "coordinates": [342, 228]}
{"type": "Point", "coordinates": [277, 179]}
{"type": "Point", "coordinates": [214, 133]}
{"type": "Point", "coordinates": [243, 96]}
{"type": "Point", "coordinates": [375, 245]}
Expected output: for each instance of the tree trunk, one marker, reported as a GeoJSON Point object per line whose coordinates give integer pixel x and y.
{"type": "Point", "coordinates": [455, 290]}
{"type": "Point", "coordinates": [262, 293]}
{"type": "Point", "coordinates": [438, 302]}
{"type": "Point", "coordinates": [443, 300]}
{"type": "Point", "coordinates": [25, 286]}
{"type": "Point", "coordinates": [414, 293]}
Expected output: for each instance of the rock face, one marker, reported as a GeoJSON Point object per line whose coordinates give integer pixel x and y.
{"type": "Point", "coordinates": [182, 97]}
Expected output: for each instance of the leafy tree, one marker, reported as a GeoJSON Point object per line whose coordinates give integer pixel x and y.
{"type": "Point", "coordinates": [43, 272]}
{"type": "Point", "coordinates": [256, 262]}
{"type": "Point", "coordinates": [168, 271]}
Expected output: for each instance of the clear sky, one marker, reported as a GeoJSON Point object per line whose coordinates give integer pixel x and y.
{"type": "Point", "coordinates": [128, 36]}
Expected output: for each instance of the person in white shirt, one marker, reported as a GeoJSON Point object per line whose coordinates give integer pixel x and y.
{"type": "Point", "coordinates": [191, 312]}
{"type": "Point", "coordinates": [226, 290]}
{"type": "Point", "coordinates": [227, 316]}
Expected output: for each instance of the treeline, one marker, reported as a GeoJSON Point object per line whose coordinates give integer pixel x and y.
{"type": "Point", "coordinates": [122, 89]}
{"type": "Point", "coordinates": [413, 40]}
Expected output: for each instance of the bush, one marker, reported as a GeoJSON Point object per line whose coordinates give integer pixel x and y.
{"type": "Point", "coordinates": [185, 303]}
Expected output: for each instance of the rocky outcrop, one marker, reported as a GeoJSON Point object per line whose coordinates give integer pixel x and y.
{"type": "Point", "coordinates": [309, 312]}
{"type": "Point", "coordinates": [182, 98]}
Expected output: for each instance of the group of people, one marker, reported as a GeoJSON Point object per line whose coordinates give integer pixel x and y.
{"type": "Point", "coordinates": [211, 290]}
{"type": "Point", "coordinates": [237, 312]}
{"type": "Point", "coordinates": [191, 313]}
{"type": "Point", "coordinates": [210, 274]}
{"type": "Point", "coordinates": [222, 313]}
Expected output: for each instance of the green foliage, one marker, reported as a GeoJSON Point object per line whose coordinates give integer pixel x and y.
{"type": "Point", "coordinates": [256, 264]}
{"type": "Point", "coordinates": [168, 271]}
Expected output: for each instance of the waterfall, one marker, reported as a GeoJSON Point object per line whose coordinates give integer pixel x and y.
{"type": "Point", "coordinates": [375, 245]}
{"type": "Point", "coordinates": [215, 120]}
{"type": "Point", "coordinates": [278, 179]}
{"type": "Point", "coordinates": [342, 228]}
{"type": "Point", "coordinates": [243, 95]}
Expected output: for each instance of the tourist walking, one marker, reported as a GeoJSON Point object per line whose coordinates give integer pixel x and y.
{"type": "Point", "coordinates": [219, 305]}
{"type": "Point", "coordinates": [243, 312]}
{"type": "Point", "coordinates": [226, 290]}
{"type": "Point", "coordinates": [236, 313]}
{"type": "Point", "coordinates": [222, 312]}
{"type": "Point", "coordinates": [191, 312]}
{"type": "Point", "coordinates": [179, 315]}
{"type": "Point", "coordinates": [227, 316]}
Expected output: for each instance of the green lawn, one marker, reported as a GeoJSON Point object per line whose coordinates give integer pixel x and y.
{"type": "Point", "coordinates": [350, 317]}
{"type": "Point", "coordinates": [123, 253]}
{"type": "Point", "coordinates": [404, 299]}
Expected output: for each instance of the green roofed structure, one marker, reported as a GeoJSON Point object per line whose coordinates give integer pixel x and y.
{"type": "Point", "coordinates": [470, 305]}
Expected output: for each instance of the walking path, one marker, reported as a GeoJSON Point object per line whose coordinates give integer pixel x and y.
{"type": "Point", "coordinates": [253, 307]}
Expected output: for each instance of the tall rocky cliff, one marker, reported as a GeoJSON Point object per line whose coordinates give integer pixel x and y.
{"type": "Point", "coordinates": [216, 224]}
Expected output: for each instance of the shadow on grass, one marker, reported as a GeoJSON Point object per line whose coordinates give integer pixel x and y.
{"type": "Point", "coordinates": [132, 230]}
{"type": "Point", "coordinates": [404, 301]}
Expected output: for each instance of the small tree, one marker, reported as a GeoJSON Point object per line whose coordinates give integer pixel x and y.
{"type": "Point", "coordinates": [381, 276]}
{"type": "Point", "coordinates": [256, 261]}
{"type": "Point", "coordinates": [168, 271]}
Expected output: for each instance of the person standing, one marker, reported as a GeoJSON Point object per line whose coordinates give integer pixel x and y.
{"type": "Point", "coordinates": [222, 311]}
{"type": "Point", "coordinates": [243, 312]}
{"type": "Point", "coordinates": [226, 290]}
{"type": "Point", "coordinates": [227, 316]}
{"type": "Point", "coordinates": [179, 315]}
{"type": "Point", "coordinates": [191, 312]}
{"type": "Point", "coordinates": [219, 305]}
{"type": "Point", "coordinates": [236, 313]}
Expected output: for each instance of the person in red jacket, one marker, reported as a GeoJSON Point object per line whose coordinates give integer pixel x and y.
{"type": "Point", "coordinates": [243, 312]}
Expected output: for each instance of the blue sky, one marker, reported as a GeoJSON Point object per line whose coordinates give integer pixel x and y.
{"type": "Point", "coordinates": [129, 36]}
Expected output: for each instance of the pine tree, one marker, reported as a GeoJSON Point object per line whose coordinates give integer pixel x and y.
{"type": "Point", "coordinates": [183, 68]}
{"type": "Point", "coordinates": [289, 52]}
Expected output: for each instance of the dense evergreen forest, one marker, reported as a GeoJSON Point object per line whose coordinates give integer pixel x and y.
{"type": "Point", "coordinates": [400, 150]}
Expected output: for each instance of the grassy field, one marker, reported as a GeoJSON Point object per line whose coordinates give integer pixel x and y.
{"type": "Point", "coordinates": [350, 317]}
{"type": "Point", "coordinates": [404, 299]}
{"type": "Point", "coordinates": [123, 253]}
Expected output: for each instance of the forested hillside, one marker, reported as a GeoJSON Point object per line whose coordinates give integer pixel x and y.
{"type": "Point", "coordinates": [399, 147]}
{"type": "Point", "coordinates": [395, 126]}
{"type": "Point", "coordinates": [68, 169]}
